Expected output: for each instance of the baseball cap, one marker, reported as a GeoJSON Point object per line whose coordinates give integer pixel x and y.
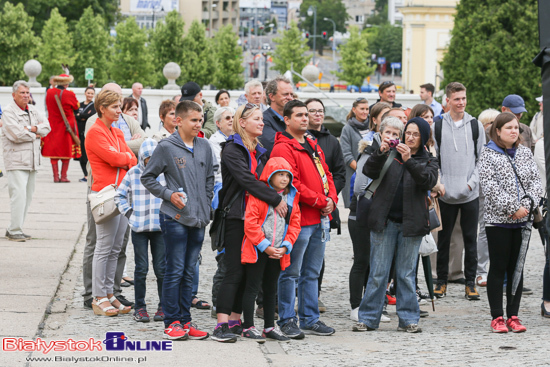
{"type": "Point", "coordinates": [539, 99]}
{"type": "Point", "coordinates": [189, 90]}
{"type": "Point", "coordinates": [515, 103]}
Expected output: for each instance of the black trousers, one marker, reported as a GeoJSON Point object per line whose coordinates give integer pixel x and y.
{"type": "Point", "coordinates": [469, 214]}
{"type": "Point", "coordinates": [217, 279]}
{"type": "Point", "coordinates": [264, 275]}
{"type": "Point", "coordinates": [504, 245]}
{"type": "Point", "coordinates": [230, 293]}
{"type": "Point", "coordinates": [359, 274]}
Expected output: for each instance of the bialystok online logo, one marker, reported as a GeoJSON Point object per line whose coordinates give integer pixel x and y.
{"type": "Point", "coordinates": [114, 341]}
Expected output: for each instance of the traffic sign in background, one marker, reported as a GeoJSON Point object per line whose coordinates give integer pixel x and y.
{"type": "Point", "coordinates": [381, 60]}
{"type": "Point", "coordinates": [396, 65]}
{"type": "Point", "coordinates": [89, 74]}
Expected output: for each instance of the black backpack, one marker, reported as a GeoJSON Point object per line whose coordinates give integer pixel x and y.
{"type": "Point", "coordinates": [438, 121]}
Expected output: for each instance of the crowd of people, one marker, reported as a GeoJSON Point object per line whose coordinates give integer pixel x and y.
{"type": "Point", "coordinates": [271, 173]}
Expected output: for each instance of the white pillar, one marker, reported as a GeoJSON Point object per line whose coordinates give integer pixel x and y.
{"type": "Point", "coordinates": [391, 11]}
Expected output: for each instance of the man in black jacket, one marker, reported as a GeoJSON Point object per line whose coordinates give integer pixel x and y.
{"type": "Point", "coordinates": [386, 92]}
{"type": "Point", "coordinates": [137, 89]}
{"type": "Point", "coordinates": [278, 92]}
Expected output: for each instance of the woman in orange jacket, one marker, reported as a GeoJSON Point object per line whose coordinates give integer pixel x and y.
{"type": "Point", "coordinates": [266, 247]}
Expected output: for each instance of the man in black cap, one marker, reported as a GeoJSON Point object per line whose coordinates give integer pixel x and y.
{"type": "Point", "coordinates": [191, 91]}
{"type": "Point", "coordinates": [515, 104]}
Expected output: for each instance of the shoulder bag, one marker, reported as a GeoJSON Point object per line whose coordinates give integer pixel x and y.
{"type": "Point", "coordinates": [102, 203]}
{"type": "Point", "coordinates": [537, 215]}
{"type": "Point", "coordinates": [217, 227]}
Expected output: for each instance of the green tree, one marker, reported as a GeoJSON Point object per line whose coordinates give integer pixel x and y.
{"type": "Point", "coordinates": [17, 42]}
{"type": "Point", "coordinates": [132, 60]}
{"type": "Point", "coordinates": [92, 41]}
{"type": "Point", "coordinates": [57, 46]}
{"type": "Point", "coordinates": [198, 66]}
{"type": "Point", "coordinates": [493, 43]}
{"type": "Point", "coordinates": [71, 9]}
{"type": "Point", "coordinates": [167, 44]}
{"type": "Point", "coordinates": [355, 57]}
{"type": "Point", "coordinates": [386, 41]}
{"type": "Point", "coordinates": [230, 59]}
{"type": "Point", "coordinates": [332, 9]}
{"type": "Point", "coordinates": [291, 49]}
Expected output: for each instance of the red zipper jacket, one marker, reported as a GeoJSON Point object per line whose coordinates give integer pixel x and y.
{"type": "Point", "coordinates": [307, 179]}
{"type": "Point", "coordinates": [256, 214]}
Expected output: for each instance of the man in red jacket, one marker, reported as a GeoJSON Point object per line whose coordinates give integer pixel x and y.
{"type": "Point", "coordinates": [318, 199]}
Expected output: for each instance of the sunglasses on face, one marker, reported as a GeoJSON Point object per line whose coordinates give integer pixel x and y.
{"type": "Point", "coordinates": [228, 118]}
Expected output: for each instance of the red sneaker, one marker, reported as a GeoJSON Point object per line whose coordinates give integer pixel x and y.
{"type": "Point", "coordinates": [391, 299]}
{"type": "Point", "coordinates": [514, 324]}
{"type": "Point", "coordinates": [498, 325]}
{"type": "Point", "coordinates": [175, 332]}
{"type": "Point", "coordinates": [193, 332]}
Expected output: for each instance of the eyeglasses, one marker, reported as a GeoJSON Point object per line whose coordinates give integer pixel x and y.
{"type": "Point", "coordinates": [361, 99]}
{"type": "Point", "coordinates": [228, 118]}
{"type": "Point", "coordinates": [414, 135]}
{"type": "Point", "coordinates": [249, 106]}
{"type": "Point", "coordinates": [388, 83]}
{"type": "Point", "coordinates": [315, 112]}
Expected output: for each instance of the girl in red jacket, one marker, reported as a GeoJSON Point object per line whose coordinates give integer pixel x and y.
{"type": "Point", "coordinates": [266, 247]}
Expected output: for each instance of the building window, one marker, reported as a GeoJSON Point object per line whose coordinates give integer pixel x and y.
{"type": "Point", "coordinates": [359, 19]}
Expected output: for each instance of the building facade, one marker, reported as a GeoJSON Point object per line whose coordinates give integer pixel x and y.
{"type": "Point", "coordinates": [427, 26]}
{"type": "Point", "coordinates": [214, 14]}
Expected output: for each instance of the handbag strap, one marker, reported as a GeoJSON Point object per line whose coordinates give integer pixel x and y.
{"type": "Point", "coordinates": [233, 199]}
{"type": "Point", "coordinates": [519, 180]}
{"type": "Point", "coordinates": [369, 191]}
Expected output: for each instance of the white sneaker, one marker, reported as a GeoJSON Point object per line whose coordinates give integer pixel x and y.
{"type": "Point", "coordinates": [354, 314]}
{"type": "Point", "coordinates": [384, 318]}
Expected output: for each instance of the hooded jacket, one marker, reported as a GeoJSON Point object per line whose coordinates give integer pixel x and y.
{"type": "Point", "coordinates": [209, 126]}
{"type": "Point", "coordinates": [349, 141]}
{"type": "Point", "coordinates": [333, 156]}
{"type": "Point", "coordinates": [133, 197]}
{"type": "Point", "coordinates": [191, 170]}
{"type": "Point", "coordinates": [306, 179]}
{"type": "Point", "coordinates": [458, 159]}
{"type": "Point", "coordinates": [500, 186]}
{"type": "Point", "coordinates": [239, 180]}
{"type": "Point", "coordinates": [419, 174]}
{"type": "Point", "coordinates": [259, 214]}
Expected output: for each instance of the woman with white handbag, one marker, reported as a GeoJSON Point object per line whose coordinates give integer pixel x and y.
{"type": "Point", "coordinates": [110, 159]}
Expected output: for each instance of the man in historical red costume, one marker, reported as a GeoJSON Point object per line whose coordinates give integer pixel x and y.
{"type": "Point", "coordinates": [59, 145]}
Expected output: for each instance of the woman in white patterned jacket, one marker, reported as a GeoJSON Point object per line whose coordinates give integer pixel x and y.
{"type": "Point", "coordinates": [506, 213]}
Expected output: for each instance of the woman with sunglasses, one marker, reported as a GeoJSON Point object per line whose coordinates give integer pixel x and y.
{"type": "Point", "coordinates": [242, 163]}
{"type": "Point", "coordinates": [386, 92]}
{"type": "Point", "coordinates": [355, 129]}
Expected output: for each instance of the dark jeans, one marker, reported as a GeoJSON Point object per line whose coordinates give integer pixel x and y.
{"type": "Point", "coordinates": [218, 277]}
{"type": "Point", "coordinates": [141, 241]}
{"type": "Point", "coordinates": [262, 274]}
{"type": "Point", "coordinates": [230, 295]}
{"type": "Point", "coordinates": [469, 213]}
{"type": "Point", "coordinates": [182, 245]}
{"type": "Point", "coordinates": [359, 274]}
{"type": "Point", "coordinates": [504, 245]}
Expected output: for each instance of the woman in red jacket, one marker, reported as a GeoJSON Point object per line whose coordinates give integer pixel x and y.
{"type": "Point", "coordinates": [59, 144]}
{"type": "Point", "coordinates": [268, 240]}
{"type": "Point", "coordinates": [110, 159]}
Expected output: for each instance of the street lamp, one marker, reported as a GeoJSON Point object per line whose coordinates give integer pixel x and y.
{"type": "Point", "coordinates": [313, 11]}
{"type": "Point", "coordinates": [161, 12]}
{"type": "Point", "coordinates": [333, 38]}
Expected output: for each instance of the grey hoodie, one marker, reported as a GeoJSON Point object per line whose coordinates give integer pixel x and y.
{"type": "Point", "coordinates": [192, 171]}
{"type": "Point", "coordinates": [458, 160]}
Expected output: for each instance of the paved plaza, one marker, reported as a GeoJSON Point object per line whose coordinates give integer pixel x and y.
{"type": "Point", "coordinates": [41, 281]}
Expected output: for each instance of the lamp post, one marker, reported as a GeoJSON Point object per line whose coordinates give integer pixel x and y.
{"type": "Point", "coordinates": [333, 39]}
{"type": "Point", "coordinates": [161, 11]}
{"type": "Point", "coordinates": [313, 11]}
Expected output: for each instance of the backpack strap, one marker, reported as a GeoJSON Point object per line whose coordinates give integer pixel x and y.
{"type": "Point", "coordinates": [438, 121]}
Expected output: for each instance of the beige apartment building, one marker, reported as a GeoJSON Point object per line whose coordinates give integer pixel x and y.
{"type": "Point", "coordinates": [427, 26]}
{"type": "Point", "coordinates": [214, 14]}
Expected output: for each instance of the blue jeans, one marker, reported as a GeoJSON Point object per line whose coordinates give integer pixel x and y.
{"type": "Point", "coordinates": [195, 288]}
{"type": "Point", "coordinates": [383, 246]}
{"type": "Point", "coordinates": [306, 260]}
{"type": "Point", "coordinates": [141, 241]}
{"type": "Point", "coordinates": [182, 245]}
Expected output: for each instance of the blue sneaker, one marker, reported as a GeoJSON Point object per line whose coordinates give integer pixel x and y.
{"type": "Point", "coordinates": [319, 328]}
{"type": "Point", "coordinates": [291, 330]}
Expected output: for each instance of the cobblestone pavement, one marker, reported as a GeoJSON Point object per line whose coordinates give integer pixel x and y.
{"type": "Point", "coordinates": [457, 334]}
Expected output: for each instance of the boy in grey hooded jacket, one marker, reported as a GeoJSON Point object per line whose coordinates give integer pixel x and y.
{"type": "Point", "coordinates": [458, 158]}
{"type": "Point", "coordinates": [187, 164]}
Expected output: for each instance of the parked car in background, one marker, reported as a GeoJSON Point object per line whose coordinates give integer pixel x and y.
{"type": "Point", "coordinates": [366, 88]}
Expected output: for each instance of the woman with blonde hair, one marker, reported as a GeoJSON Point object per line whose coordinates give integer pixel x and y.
{"type": "Point", "coordinates": [110, 158]}
{"type": "Point", "coordinates": [242, 163]}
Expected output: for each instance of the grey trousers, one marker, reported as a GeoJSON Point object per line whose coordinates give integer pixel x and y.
{"type": "Point", "coordinates": [482, 245]}
{"type": "Point", "coordinates": [110, 236]}
{"type": "Point", "coordinates": [456, 254]}
{"type": "Point", "coordinates": [88, 257]}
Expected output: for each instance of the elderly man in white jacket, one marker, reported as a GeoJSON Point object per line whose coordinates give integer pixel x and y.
{"type": "Point", "coordinates": [23, 126]}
